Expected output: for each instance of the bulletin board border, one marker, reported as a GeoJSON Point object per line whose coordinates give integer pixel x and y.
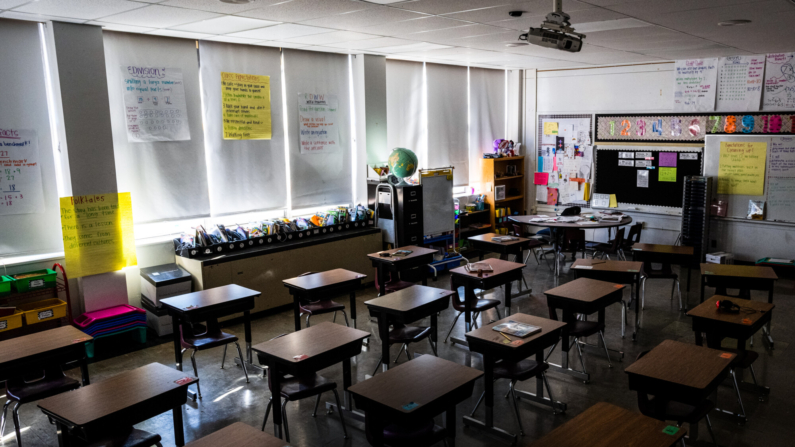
{"type": "Point", "coordinates": [540, 134]}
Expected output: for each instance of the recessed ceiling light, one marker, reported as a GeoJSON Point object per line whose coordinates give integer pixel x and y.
{"type": "Point", "coordinates": [734, 22]}
{"type": "Point", "coordinates": [237, 2]}
{"type": "Point", "coordinates": [516, 44]}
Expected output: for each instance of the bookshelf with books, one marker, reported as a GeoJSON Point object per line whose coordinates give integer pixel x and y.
{"type": "Point", "coordinates": [504, 187]}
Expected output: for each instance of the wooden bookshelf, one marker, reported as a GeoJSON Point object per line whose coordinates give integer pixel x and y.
{"type": "Point", "coordinates": [495, 174]}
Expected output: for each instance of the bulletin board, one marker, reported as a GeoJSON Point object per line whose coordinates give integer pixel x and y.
{"type": "Point", "coordinates": [664, 169]}
{"type": "Point", "coordinates": [544, 142]}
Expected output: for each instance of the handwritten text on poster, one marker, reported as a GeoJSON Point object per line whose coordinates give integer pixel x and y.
{"type": "Point", "coordinates": [246, 106]}
{"type": "Point", "coordinates": [317, 122]}
{"type": "Point", "coordinates": [154, 104]}
{"type": "Point", "coordinates": [779, 91]}
{"type": "Point", "coordinates": [741, 168]}
{"type": "Point", "coordinates": [21, 190]}
{"type": "Point", "coordinates": [695, 85]}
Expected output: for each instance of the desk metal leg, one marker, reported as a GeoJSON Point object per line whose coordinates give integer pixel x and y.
{"type": "Point", "coordinates": [767, 338]}
{"type": "Point", "coordinates": [276, 384]}
{"type": "Point", "coordinates": [637, 309]}
{"type": "Point", "coordinates": [488, 425]}
{"type": "Point", "coordinates": [353, 308]}
{"type": "Point", "coordinates": [383, 333]}
{"type": "Point", "coordinates": [179, 431]}
{"type": "Point", "coordinates": [249, 360]}
{"type": "Point", "coordinates": [469, 296]}
{"type": "Point", "coordinates": [84, 371]}
{"type": "Point", "coordinates": [381, 278]}
{"type": "Point", "coordinates": [538, 397]}
{"type": "Point", "coordinates": [449, 425]}
{"type": "Point", "coordinates": [296, 310]}
{"type": "Point", "coordinates": [63, 434]}
{"type": "Point", "coordinates": [508, 298]}
{"type": "Point", "coordinates": [177, 342]}
{"type": "Point", "coordinates": [565, 341]}
{"type": "Point", "coordinates": [347, 407]}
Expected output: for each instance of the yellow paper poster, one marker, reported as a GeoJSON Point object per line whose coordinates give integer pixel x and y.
{"type": "Point", "coordinates": [550, 128]}
{"type": "Point", "coordinates": [97, 233]}
{"type": "Point", "coordinates": [667, 175]}
{"type": "Point", "coordinates": [246, 106]}
{"type": "Point", "coordinates": [741, 168]}
{"type": "Point", "coordinates": [613, 201]}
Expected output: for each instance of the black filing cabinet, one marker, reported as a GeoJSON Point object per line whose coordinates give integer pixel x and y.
{"type": "Point", "coordinates": [409, 215]}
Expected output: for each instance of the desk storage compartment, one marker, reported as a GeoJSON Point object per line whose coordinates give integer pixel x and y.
{"type": "Point", "coordinates": [41, 311]}
{"type": "Point", "coordinates": [37, 280]}
{"type": "Point", "coordinates": [12, 321]}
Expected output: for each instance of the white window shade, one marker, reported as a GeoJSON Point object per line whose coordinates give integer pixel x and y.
{"type": "Point", "coordinates": [23, 106]}
{"type": "Point", "coordinates": [405, 121]}
{"type": "Point", "coordinates": [448, 135]}
{"type": "Point", "coordinates": [167, 179]}
{"type": "Point", "coordinates": [320, 178]}
{"type": "Point", "coordinates": [487, 114]}
{"type": "Point", "coordinates": [244, 175]}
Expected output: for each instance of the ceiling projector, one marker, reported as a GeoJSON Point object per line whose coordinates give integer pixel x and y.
{"type": "Point", "coordinates": [555, 32]}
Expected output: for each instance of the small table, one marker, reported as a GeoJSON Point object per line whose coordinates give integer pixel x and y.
{"type": "Point", "coordinates": [486, 243]}
{"type": "Point", "coordinates": [65, 344]}
{"type": "Point", "coordinates": [581, 296]}
{"type": "Point", "coordinates": [606, 425]}
{"type": "Point", "coordinates": [324, 285]}
{"type": "Point", "coordinates": [419, 257]}
{"type": "Point", "coordinates": [321, 346]}
{"type": "Point", "coordinates": [494, 347]}
{"type": "Point", "coordinates": [505, 272]}
{"type": "Point", "coordinates": [740, 326]}
{"type": "Point", "coordinates": [414, 392]}
{"type": "Point", "coordinates": [741, 277]}
{"type": "Point", "coordinates": [680, 372]}
{"type": "Point", "coordinates": [622, 272]}
{"type": "Point", "coordinates": [123, 400]}
{"type": "Point", "coordinates": [665, 254]}
{"type": "Point", "coordinates": [406, 306]}
{"type": "Point", "coordinates": [237, 435]}
{"type": "Point", "coordinates": [214, 303]}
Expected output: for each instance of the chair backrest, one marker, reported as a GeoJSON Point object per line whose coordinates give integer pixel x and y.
{"type": "Point", "coordinates": [741, 293]}
{"type": "Point", "coordinates": [634, 233]}
{"type": "Point", "coordinates": [458, 303]}
{"type": "Point", "coordinates": [517, 230]}
{"type": "Point", "coordinates": [618, 241]}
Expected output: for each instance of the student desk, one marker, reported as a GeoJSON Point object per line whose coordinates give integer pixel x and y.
{"type": "Point", "coordinates": [324, 285]}
{"type": "Point", "coordinates": [238, 435]}
{"type": "Point", "coordinates": [665, 254]}
{"type": "Point", "coordinates": [414, 392]}
{"type": "Point", "coordinates": [323, 345]}
{"type": "Point", "coordinates": [200, 306]}
{"type": "Point", "coordinates": [505, 272]}
{"type": "Point", "coordinates": [622, 272]}
{"type": "Point", "coordinates": [718, 325]}
{"type": "Point", "coordinates": [419, 257]}
{"type": "Point", "coordinates": [740, 277]}
{"type": "Point", "coordinates": [494, 347]}
{"type": "Point", "coordinates": [606, 425]}
{"type": "Point", "coordinates": [123, 400]}
{"type": "Point", "coordinates": [406, 306]}
{"type": "Point", "coordinates": [581, 296]}
{"type": "Point", "coordinates": [65, 344]}
{"type": "Point", "coordinates": [680, 372]}
{"type": "Point", "coordinates": [486, 243]}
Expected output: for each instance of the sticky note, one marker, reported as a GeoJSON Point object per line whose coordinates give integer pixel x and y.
{"type": "Point", "coordinates": [668, 159]}
{"type": "Point", "coordinates": [410, 406]}
{"type": "Point", "coordinates": [613, 201]}
{"type": "Point", "coordinates": [541, 178]}
{"type": "Point", "coordinates": [725, 355]}
{"type": "Point", "coordinates": [550, 128]}
{"type": "Point", "coordinates": [619, 286]}
{"type": "Point", "coordinates": [671, 430]}
{"type": "Point", "coordinates": [747, 321]}
{"type": "Point", "coordinates": [184, 380]}
{"type": "Point", "coordinates": [300, 357]}
{"type": "Point", "coordinates": [667, 175]}
{"type": "Point", "coordinates": [517, 342]}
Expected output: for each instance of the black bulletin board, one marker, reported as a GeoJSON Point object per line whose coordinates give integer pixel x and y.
{"type": "Point", "coordinates": [622, 180]}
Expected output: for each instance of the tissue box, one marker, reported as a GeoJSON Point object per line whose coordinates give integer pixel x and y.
{"type": "Point", "coordinates": [720, 257]}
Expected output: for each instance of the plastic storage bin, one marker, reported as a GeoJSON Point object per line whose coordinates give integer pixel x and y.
{"type": "Point", "coordinates": [40, 279]}
{"type": "Point", "coordinates": [41, 311]}
{"type": "Point", "coordinates": [5, 285]}
{"type": "Point", "coordinates": [12, 321]}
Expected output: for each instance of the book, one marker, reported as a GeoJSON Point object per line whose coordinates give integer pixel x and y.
{"type": "Point", "coordinates": [479, 266]}
{"type": "Point", "coordinates": [402, 253]}
{"type": "Point", "coordinates": [517, 329]}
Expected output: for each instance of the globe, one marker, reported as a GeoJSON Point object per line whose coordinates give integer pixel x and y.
{"type": "Point", "coordinates": [402, 163]}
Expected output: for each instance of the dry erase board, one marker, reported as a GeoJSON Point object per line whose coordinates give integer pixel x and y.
{"type": "Point", "coordinates": [646, 175]}
{"type": "Point", "coordinates": [438, 206]}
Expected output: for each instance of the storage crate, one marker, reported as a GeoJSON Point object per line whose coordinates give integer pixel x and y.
{"type": "Point", "coordinates": [5, 285]}
{"type": "Point", "coordinates": [44, 310]}
{"type": "Point", "coordinates": [9, 322]}
{"type": "Point", "coordinates": [43, 279]}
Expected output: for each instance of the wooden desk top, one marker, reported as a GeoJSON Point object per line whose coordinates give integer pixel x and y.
{"type": "Point", "coordinates": [488, 335]}
{"type": "Point", "coordinates": [489, 237]}
{"type": "Point", "coordinates": [526, 220]}
{"type": "Point", "coordinates": [584, 289]}
{"type": "Point", "coordinates": [738, 271]}
{"type": "Point", "coordinates": [312, 341]}
{"type": "Point", "coordinates": [422, 380]}
{"type": "Point", "coordinates": [682, 364]}
{"type": "Point", "coordinates": [668, 249]}
{"type": "Point", "coordinates": [606, 425]}
{"type": "Point", "coordinates": [709, 310]}
{"type": "Point", "coordinates": [598, 265]}
{"type": "Point", "coordinates": [209, 297]}
{"type": "Point", "coordinates": [415, 252]}
{"type": "Point", "coordinates": [238, 435]}
{"type": "Point", "coordinates": [409, 298]}
{"type": "Point", "coordinates": [500, 267]}
{"type": "Point", "coordinates": [98, 400]}
{"type": "Point", "coordinates": [41, 343]}
{"type": "Point", "coordinates": [323, 279]}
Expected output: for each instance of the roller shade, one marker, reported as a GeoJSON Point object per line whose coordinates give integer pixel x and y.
{"type": "Point", "coordinates": [487, 114]}
{"type": "Point", "coordinates": [404, 107]}
{"type": "Point", "coordinates": [448, 138]}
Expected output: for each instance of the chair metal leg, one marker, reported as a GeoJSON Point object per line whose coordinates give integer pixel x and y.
{"type": "Point", "coordinates": [497, 309]}
{"type": "Point", "coordinates": [342, 418]}
{"type": "Point", "coordinates": [267, 412]}
{"type": "Point", "coordinates": [3, 420]}
{"type": "Point", "coordinates": [408, 353]}
{"type": "Point", "coordinates": [242, 360]}
{"type": "Point", "coordinates": [433, 347]}
{"type": "Point", "coordinates": [307, 319]}
{"type": "Point", "coordinates": [284, 421]}
{"type": "Point", "coordinates": [550, 351]}
{"type": "Point", "coordinates": [679, 291]}
{"type": "Point", "coordinates": [475, 320]}
{"type": "Point", "coordinates": [604, 345]}
{"type": "Point", "coordinates": [477, 405]}
{"type": "Point", "coordinates": [516, 409]}
{"type": "Point", "coordinates": [624, 306]}
{"type": "Point", "coordinates": [737, 389]}
{"type": "Point", "coordinates": [455, 320]}
{"type": "Point", "coordinates": [196, 371]}
{"type": "Point", "coordinates": [17, 425]}
{"type": "Point", "coordinates": [673, 289]}
{"type": "Point", "coordinates": [549, 391]}
{"type": "Point", "coordinates": [334, 320]}
{"type": "Point", "coordinates": [346, 318]}
{"type": "Point", "coordinates": [579, 350]}
{"type": "Point", "coordinates": [753, 376]}
{"type": "Point", "coordinates": [400, 352]}
{"type": "Point", "coordinates": [682, 440]}
{"type": "Point", "coordinates": [223, 358]}
{"type": "Point", "coordinates": [709, 428]}
{"type": "Point", "coordinates": [643, 293]}
{"type": "Point", "coordinates": [317, 402]}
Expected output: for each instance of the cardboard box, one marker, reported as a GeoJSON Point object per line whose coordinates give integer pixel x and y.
{"type": "Point", "coordinates": [157, 318]}
{"type": "Point", "coordinates": [720, 257]}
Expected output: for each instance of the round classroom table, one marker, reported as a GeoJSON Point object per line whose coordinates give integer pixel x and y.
{"type": "Point", "coordinates": [555, 227]}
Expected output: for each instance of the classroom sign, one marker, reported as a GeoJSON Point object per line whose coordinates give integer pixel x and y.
{"type": "Point", "coordinates": [21, 190]}
{"type": "Point", "coordinates": [317, 122]}
{"type": "Point", "coordinates": [741, 168]}
{"type": "Point", "coordinates": [154, 104]}
{"type": "Point", "coordinates": [97, 233]}
{"type": "Point", "coordinates": [246, 106]}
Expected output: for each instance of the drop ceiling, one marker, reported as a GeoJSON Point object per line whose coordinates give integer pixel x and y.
{"type": "Point", "coordinates": [465, 32]}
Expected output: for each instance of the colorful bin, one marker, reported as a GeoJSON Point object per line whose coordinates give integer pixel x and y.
{"type": "Point", "coordinates": [41, 279]}
{"type": "Point", "coordinates": [5, 285]}
{"type": "Point", "coordinates": [12, 321]}
{"type": "Point", "coordinates": [41, 311]}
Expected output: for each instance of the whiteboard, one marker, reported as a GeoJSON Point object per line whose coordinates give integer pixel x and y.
{"type": "Point", "coordinates": [438, 208]}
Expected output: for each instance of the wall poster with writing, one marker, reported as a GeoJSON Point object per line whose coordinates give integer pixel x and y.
{"type": "Point", "coordinates": [695, 85]}
{"type": "Point", "coordinates": [154, 104]}
{"type": "Point", "coordinates": [317, 122]}
{"type": "Point", "coordinates": [741, 168]}
{"type": "Point", "coordinates": [21, 190]}
{"type": "Point", "coordinates": [779, 91]}
{"type": "Point", "coordinates": [740, 81]}
{"type": "Point", "coordinates": [246, 106]}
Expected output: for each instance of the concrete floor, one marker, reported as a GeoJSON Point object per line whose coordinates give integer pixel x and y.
{"type": "Point", "coordinates": [227, 398]}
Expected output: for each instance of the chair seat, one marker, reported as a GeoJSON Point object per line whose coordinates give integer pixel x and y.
{"type": "Point", "coordinates": [534, 243]}
{"type": "Point", "coordinates": [23, 392]}
{"type": "Point", "coordinates": [297, 388]}
{"type": "Point", "coordinates": [478, 306]}
{"type": "Point", "coordinates": [408, 334]}
{"type": "Point", "coordinates": [744, 360]}
{"type": "Point", "coordinates": [394, 286]}
{"type": "Point", "coordinates": [321, 307]}
{"type": "Point", "coordinates": [521, 370]}
{"type": "Point", "coordinates": [682, 412]}
{"type": "Point", "coordinates": [131, 438]}
{"type": "Point", "coordinates": [422, 434]}
{"type": "Point", "coordinates": [601, 247]}
{"type": "Point", "coordinates": [581, 328]}
{"type": "Point", "coordinates": [664, 273]}
{"type": "Point", "coordinates": [207, 341]}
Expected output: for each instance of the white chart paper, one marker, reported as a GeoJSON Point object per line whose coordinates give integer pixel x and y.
{"type": "Point", "coordinates": [740, 81]}
{"type": "Point", "coordinates": [695, 85]}
{"type": "Point", "coordinates": [782, 158]}
{"type": "Point", "coordinates": [317, 122]}
{"type": "Point", "coordinates": [21, 190]}
{"type": "Point", "coordinates": [154, 104]}
{"type": "Point", "coordinates": [779, 93]}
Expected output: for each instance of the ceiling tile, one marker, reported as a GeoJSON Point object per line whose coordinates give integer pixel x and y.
{"type": "Point", "coordinates": [121, 28]}
{"type": "Point", "coordinates": [714, 51]}
{"type": "Point", "coordinates": [333, 37]}
{"type": "Point", "coordinates": [411, 47]}
{"type": "Point", "coordinates": [453, 6]}
{"type": "Point", "coordinates": [180, 34]}
{"type": "Point", "coordinates": [281, 32]}
{"type": "Point", "coordinates": [225, 25]}
{"type": "Point", "coordinates": [371, 43]}
{"type": "Point", "coordinates": [278, 44]}
{"type": "Point", "coordinates": [646, 8]}
{"type": "Point", "coordinates": [8, 4]}
{"type": "Point", "coordinates": [704, 22]}
{"type": "Point", "coordinates": [648, 32]}
{"type": "Point", "coordinates": [302, 10]}
{"type": "Point", "coordinates": [452, 35]}
{"type": "Point", "coordinates": [157, 16]}
{"type": "Point", "coordinates": [608, 25]}
{"type": "Point", "coordinates": [79, 9]}
{"type": "Point", "coordinates": [219, 6]}
{"type": "Point", "coordinates": [37, 17]}
{"type": "Point", "coordinates": [231, 39]}
{"type": "Point", "coordinates": [648, 45]}
{"type": "Point", "coordinates": [414, 26]}
{"type": "Point", "coordinates": [358, 20]}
